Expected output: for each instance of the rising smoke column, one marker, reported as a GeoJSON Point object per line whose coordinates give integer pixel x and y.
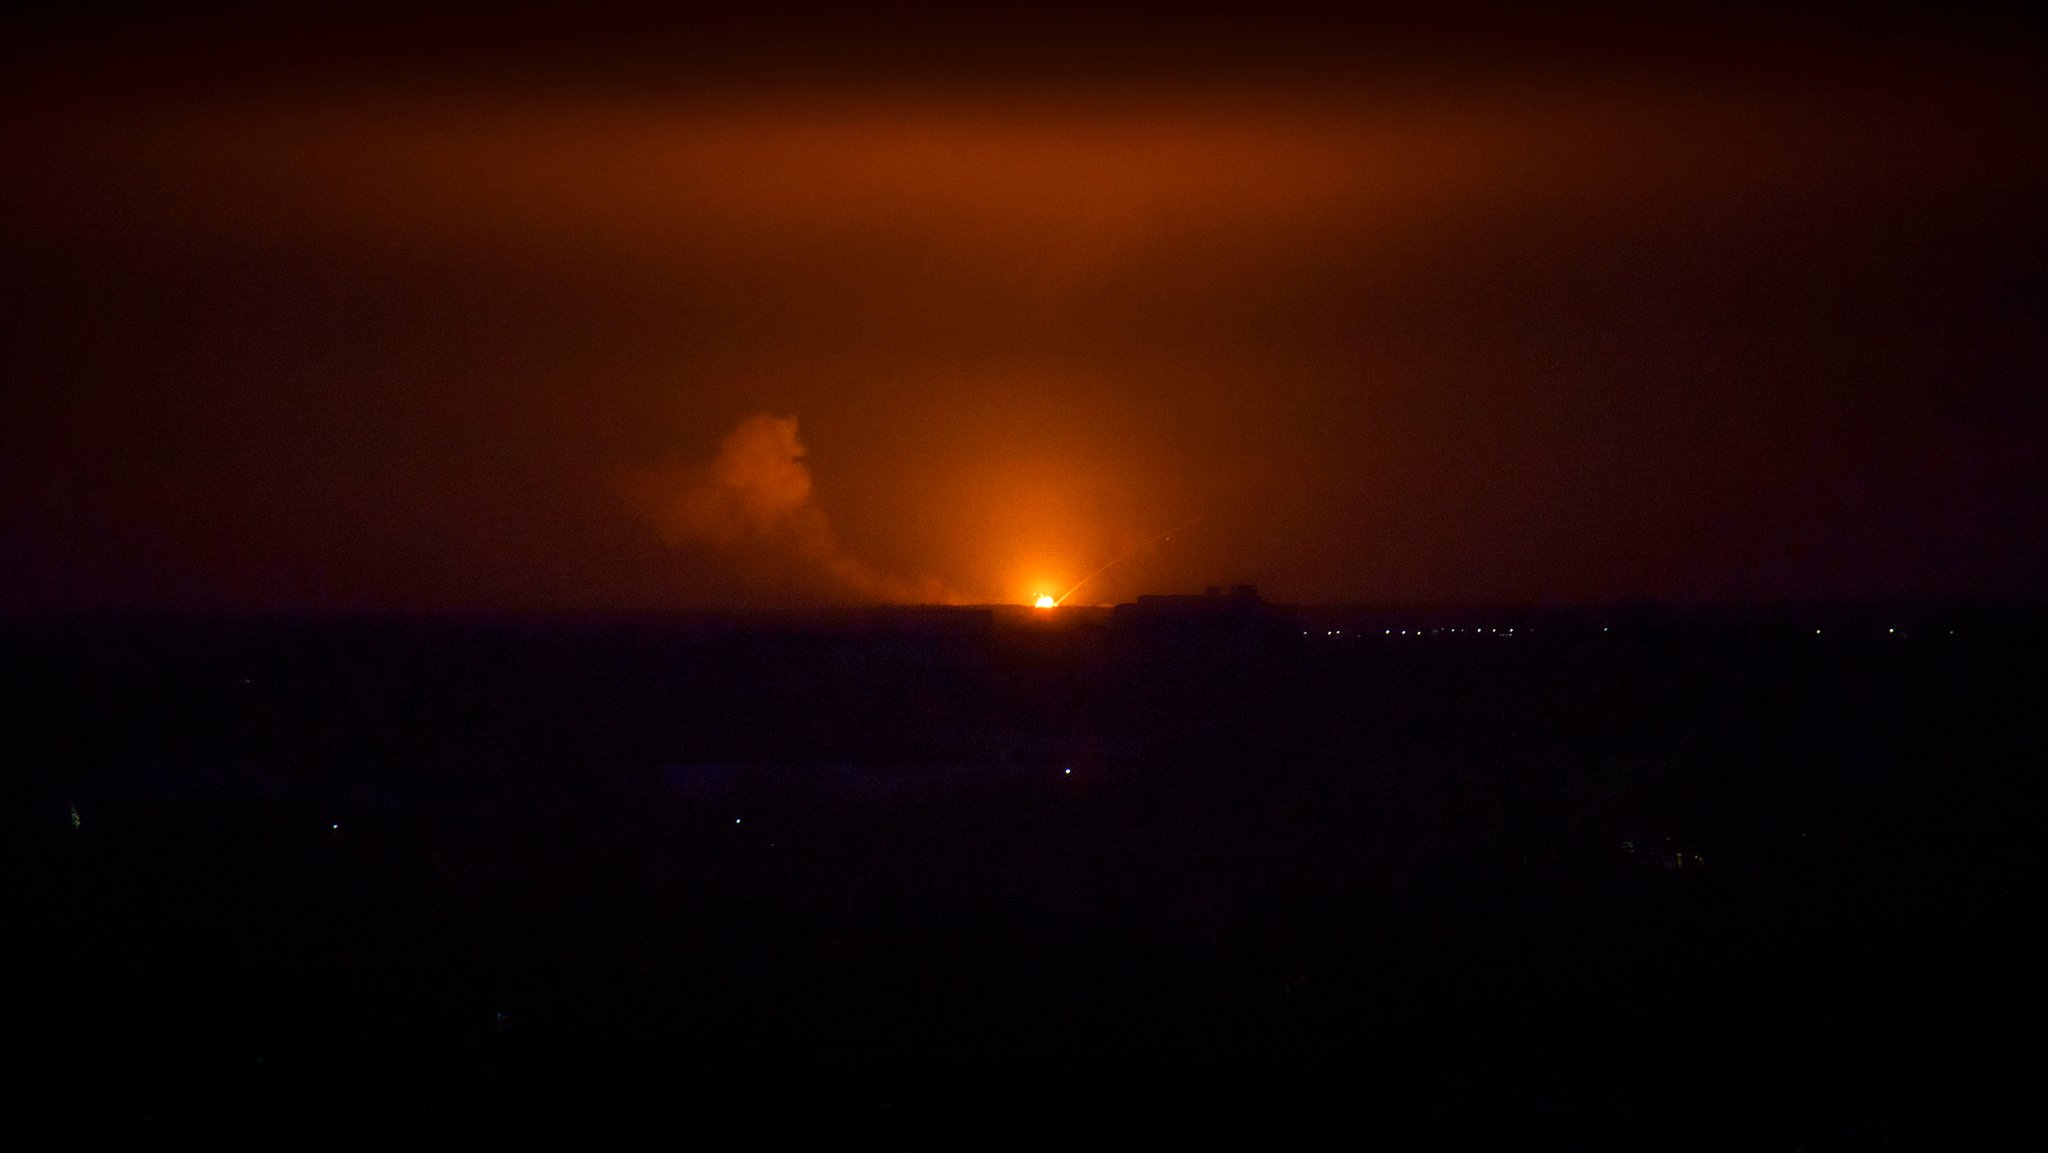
{"type": "Point", "coordinates": [756, 494]}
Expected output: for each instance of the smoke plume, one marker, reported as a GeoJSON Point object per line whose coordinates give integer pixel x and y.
{"type": "Point", "coordinates": [756, 494]}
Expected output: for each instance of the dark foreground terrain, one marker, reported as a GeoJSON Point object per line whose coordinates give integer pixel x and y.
{"type": "Point", "coordinates": [967, 879]}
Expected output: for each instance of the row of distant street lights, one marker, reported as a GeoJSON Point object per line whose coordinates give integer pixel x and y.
{"type": "Point", "coordinates": [1506, 632]}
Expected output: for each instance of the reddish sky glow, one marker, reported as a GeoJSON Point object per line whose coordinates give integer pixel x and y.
{"type": "Point", "coordinates": [1515, 329]}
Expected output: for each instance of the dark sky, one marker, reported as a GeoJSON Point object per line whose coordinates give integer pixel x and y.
{"type": "Point", "coordinates": [456, 311]}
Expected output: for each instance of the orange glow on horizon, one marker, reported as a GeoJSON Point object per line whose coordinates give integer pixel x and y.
{"type": "Point", "coordinates": [1045, 601]}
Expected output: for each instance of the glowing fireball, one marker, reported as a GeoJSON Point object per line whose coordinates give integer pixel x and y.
{"type": "Point", "coordinates": [1045, 601]}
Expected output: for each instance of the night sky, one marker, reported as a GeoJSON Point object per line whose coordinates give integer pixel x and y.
{"type": "Point", "coordinates": [627, 311]}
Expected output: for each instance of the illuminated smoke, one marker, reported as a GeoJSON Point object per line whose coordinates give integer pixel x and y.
{"type": "Point", "coordinates": [757, 494]}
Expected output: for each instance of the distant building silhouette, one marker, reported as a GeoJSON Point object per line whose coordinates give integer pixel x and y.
{"type": "Point", "coordinates": [1217, 615]}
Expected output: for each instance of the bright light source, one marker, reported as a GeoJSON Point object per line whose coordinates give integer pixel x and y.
{"type": "Point", "coordinates": [1045, 601]}
{"type": "Point", "coordinates": [1068, 772]}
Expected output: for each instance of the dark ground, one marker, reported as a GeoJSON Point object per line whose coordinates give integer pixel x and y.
{"type": "Point", "coordinates": [1700, 879]}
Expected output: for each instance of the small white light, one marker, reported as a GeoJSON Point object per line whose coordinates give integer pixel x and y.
{"type": "Point", "coordinates": [335, 825]}
{"type": "Point", "coordinates": [735, 820]}
{"type": "Point", "coordinates": [1068, 772]}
